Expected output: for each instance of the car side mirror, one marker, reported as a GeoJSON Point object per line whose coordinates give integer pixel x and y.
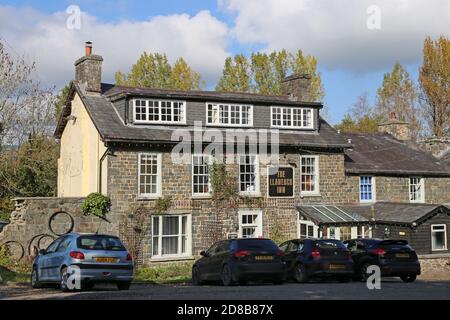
{"type": "Point", "coordinates": [204, 254]}
{"type": "Point", "coordinates": [42, 252]}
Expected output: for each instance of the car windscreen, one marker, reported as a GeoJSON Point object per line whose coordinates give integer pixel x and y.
{"type": "Point", "coordinates": [94, 242]}
{"type": "Point", "coordinates": [257, 245]}
{"type": "Point", "coordinates": [330, 244]}
{"type": "Point", "coordinates": [393, 243]}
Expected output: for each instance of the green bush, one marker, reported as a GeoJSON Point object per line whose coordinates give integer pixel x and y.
{"type": "Point", "coordinates": [172, 273]}
{"type": "Point", "coordinates": [96, 204]}
{"type": "Point", "coordinates": [11, 270]}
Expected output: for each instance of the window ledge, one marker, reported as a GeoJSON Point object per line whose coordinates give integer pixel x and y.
{"type": "Point", "coordinates": [310, 195]}
{"type": "Point", "coordinates": [166, 259]}
{"type": "Point", "coordinates": [200, 197]}
{"type": "Point", "coordinates": [250, 195]}
{"type": "Point", "coordinates": [142, 198]}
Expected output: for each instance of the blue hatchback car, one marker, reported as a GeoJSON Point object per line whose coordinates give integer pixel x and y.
{"type": "Point", "coordinates": [78, 261]}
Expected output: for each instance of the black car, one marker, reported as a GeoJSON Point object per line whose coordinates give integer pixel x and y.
{"type": "Point", "coordinates": [239, 261]}
{"type": "Point", "coordinates": [317, 258]}
{"type": "Point", "coordinates": [394, 257]}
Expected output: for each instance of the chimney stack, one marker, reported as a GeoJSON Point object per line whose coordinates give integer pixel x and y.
{"type": "Point", "coordinates": [297, 86]}
{"type": "Point", "coordinates": [396, 128]}
{"type": "Point", "coordinates": [88, 70]}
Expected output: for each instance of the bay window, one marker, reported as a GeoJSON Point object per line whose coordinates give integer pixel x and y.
{"type": "Point", "coordinates": [171, 236]}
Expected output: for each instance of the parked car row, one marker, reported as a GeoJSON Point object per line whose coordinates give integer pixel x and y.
{"type": "Point", "coordinates": [103, 258]}
{"type": "Point", "coordinates": [238, 261]}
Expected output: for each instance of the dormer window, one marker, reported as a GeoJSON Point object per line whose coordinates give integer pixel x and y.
{"type": "Point", "coordinates": [159, 111]}
{"type": "Point", "coordinates": [221, 114]}
{"type": "Point", "coordinates": [292, 118]}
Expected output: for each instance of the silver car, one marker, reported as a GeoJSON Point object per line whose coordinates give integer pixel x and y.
{"type": "Point", "coordinates": [78, 261]}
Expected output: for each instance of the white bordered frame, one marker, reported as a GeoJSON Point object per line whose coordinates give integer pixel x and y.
{"type": "Point", "coordinates": [149, 179]}
{"type": "Point", "coordinates": [137, 116]}
{"type": "Point", "coordinates": [216, 108]}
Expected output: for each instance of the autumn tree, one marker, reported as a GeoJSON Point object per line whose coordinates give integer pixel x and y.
{"type": "Point", "coordinates": [154, 71]}
{"type": "Point", "coordinates": [28, 154]}
{"type": "Point", "coordinates": [301, 64]}
{"type": "Point", "coordinates": [61, 100]}
{"type": "Point", "coordinates": [183, 77]}
{"type": "Point", "coordinates": [263, 73]}
{"type": "Point", "coordinates": [398, 94]}
{"type": "Point", "coordinates": [362, 117]}
{"type": "Point", "coordinates": [434, 81]}
{"type": "Point", "coordinates": [236, 75]}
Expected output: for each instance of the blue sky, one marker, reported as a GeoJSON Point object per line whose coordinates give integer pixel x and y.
{"type": "Point", "coordinates": [352, 59]}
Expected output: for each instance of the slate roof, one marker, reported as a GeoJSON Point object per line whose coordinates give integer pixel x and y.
{"type": "Point", "coordinates": [396, 213]}
{"type": "Point", "coordinates": [112, 129]}
{"type": "Point", "coordinates": [381, 153]}
{"type": "Point", "coordinates": [379, 212]}
{"type": "Point", "coordinates": [114, 92]}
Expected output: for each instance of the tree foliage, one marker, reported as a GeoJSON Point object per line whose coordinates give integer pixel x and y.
{"type": "Point", "coordinates": [154, 71]}
{"type": "Point", "coordinates": [398, 94]}
{"type": "Point", "coordinates": [61, 99]}
{"type": "Point", "coordinates": [26, 108]}
{"type": "Point", "coordinates": [362, 117]}
{"type": "Point", "coordinates": [263, 73]}
{"type": "Point", "coordinates": [434, 81]}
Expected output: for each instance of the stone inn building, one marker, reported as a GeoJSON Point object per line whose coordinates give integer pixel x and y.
{"type": "Point", "coordinates": [120, 141]}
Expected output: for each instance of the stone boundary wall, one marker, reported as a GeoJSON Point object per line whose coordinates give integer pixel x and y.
{"type": "Point", "coordinates": [435, 263]}
{"type": "Point", "coordinates": [36, 222]}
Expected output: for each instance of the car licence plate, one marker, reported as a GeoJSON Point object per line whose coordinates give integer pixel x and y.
{"type": "Point", "coordinates": [263, 258]}
{"type": "Point", "coordinates": [336, 266]}
{"type": "Point", "coordinates": [402, 255]}
{"type": "Point", "coordinates": [106, 260]}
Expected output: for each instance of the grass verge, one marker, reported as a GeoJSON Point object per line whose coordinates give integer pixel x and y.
{"type": "Point", "coordinates": [165, 274]}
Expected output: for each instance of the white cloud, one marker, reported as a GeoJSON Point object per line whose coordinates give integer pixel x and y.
{"type": "Point", "coordinates": [336, 32]}
{"type": "Point", "coordinates": [200, 39]}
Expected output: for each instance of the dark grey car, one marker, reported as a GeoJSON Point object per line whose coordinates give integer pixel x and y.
{"type": "Point", "coordinates": [83, 259]}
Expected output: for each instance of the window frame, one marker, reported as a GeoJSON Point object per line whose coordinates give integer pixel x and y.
{"type": "Point", "coordinates": [445, 236]}
{"type": "Point", "coordinates": [291, 112]}
{"type": "Point", "coordinates": [183, 113]}
{"type": "Point", "coordinates": [200, 195]}
{"type": "Point", "coordinates": [373, 191]}
{"type": "Point", "coordinates": [188, 236]}
{"type": "Point", "coordinates": [158, 177]}
{"type": "Point", "coordinates": [422, 188]}
{"type": "Point", "coordinates": [229, 124]}
{"type": "Point", "coordinates": [257, 191]}
{"type": "Point", "coordinates": [307, 223]}
{"type": "Point", "coordinates": [316, 192]}
{"type": "Point", "coordinates": [258, 226]}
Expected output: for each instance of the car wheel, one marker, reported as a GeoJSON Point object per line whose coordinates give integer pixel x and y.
{"type": "Point", "coordinates": [227, 277]}
{"type": "Point", "coordinates": [35, 279]}
{"type": "Point", "coordinates": [363, 276]}
{"type": "Point", "coordinates": [196, 279]}
{"type": "Point", "coordinates": [409, 278]}
{"type": "Point", "coordinates": [300, 273]}
{"type": "Point", "coordinates": [63, 282]}
{"type": "Point", "coordinates": [123, 285]}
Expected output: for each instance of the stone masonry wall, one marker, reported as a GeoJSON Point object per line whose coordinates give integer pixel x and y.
{"type": "Point", "coordinates": [36, 222]}
{"type": "Point", "coordinates": [279, 214]}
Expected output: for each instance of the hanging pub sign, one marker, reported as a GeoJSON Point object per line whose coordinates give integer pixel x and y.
{"type": "Point", "coordinates": [281, 182]}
